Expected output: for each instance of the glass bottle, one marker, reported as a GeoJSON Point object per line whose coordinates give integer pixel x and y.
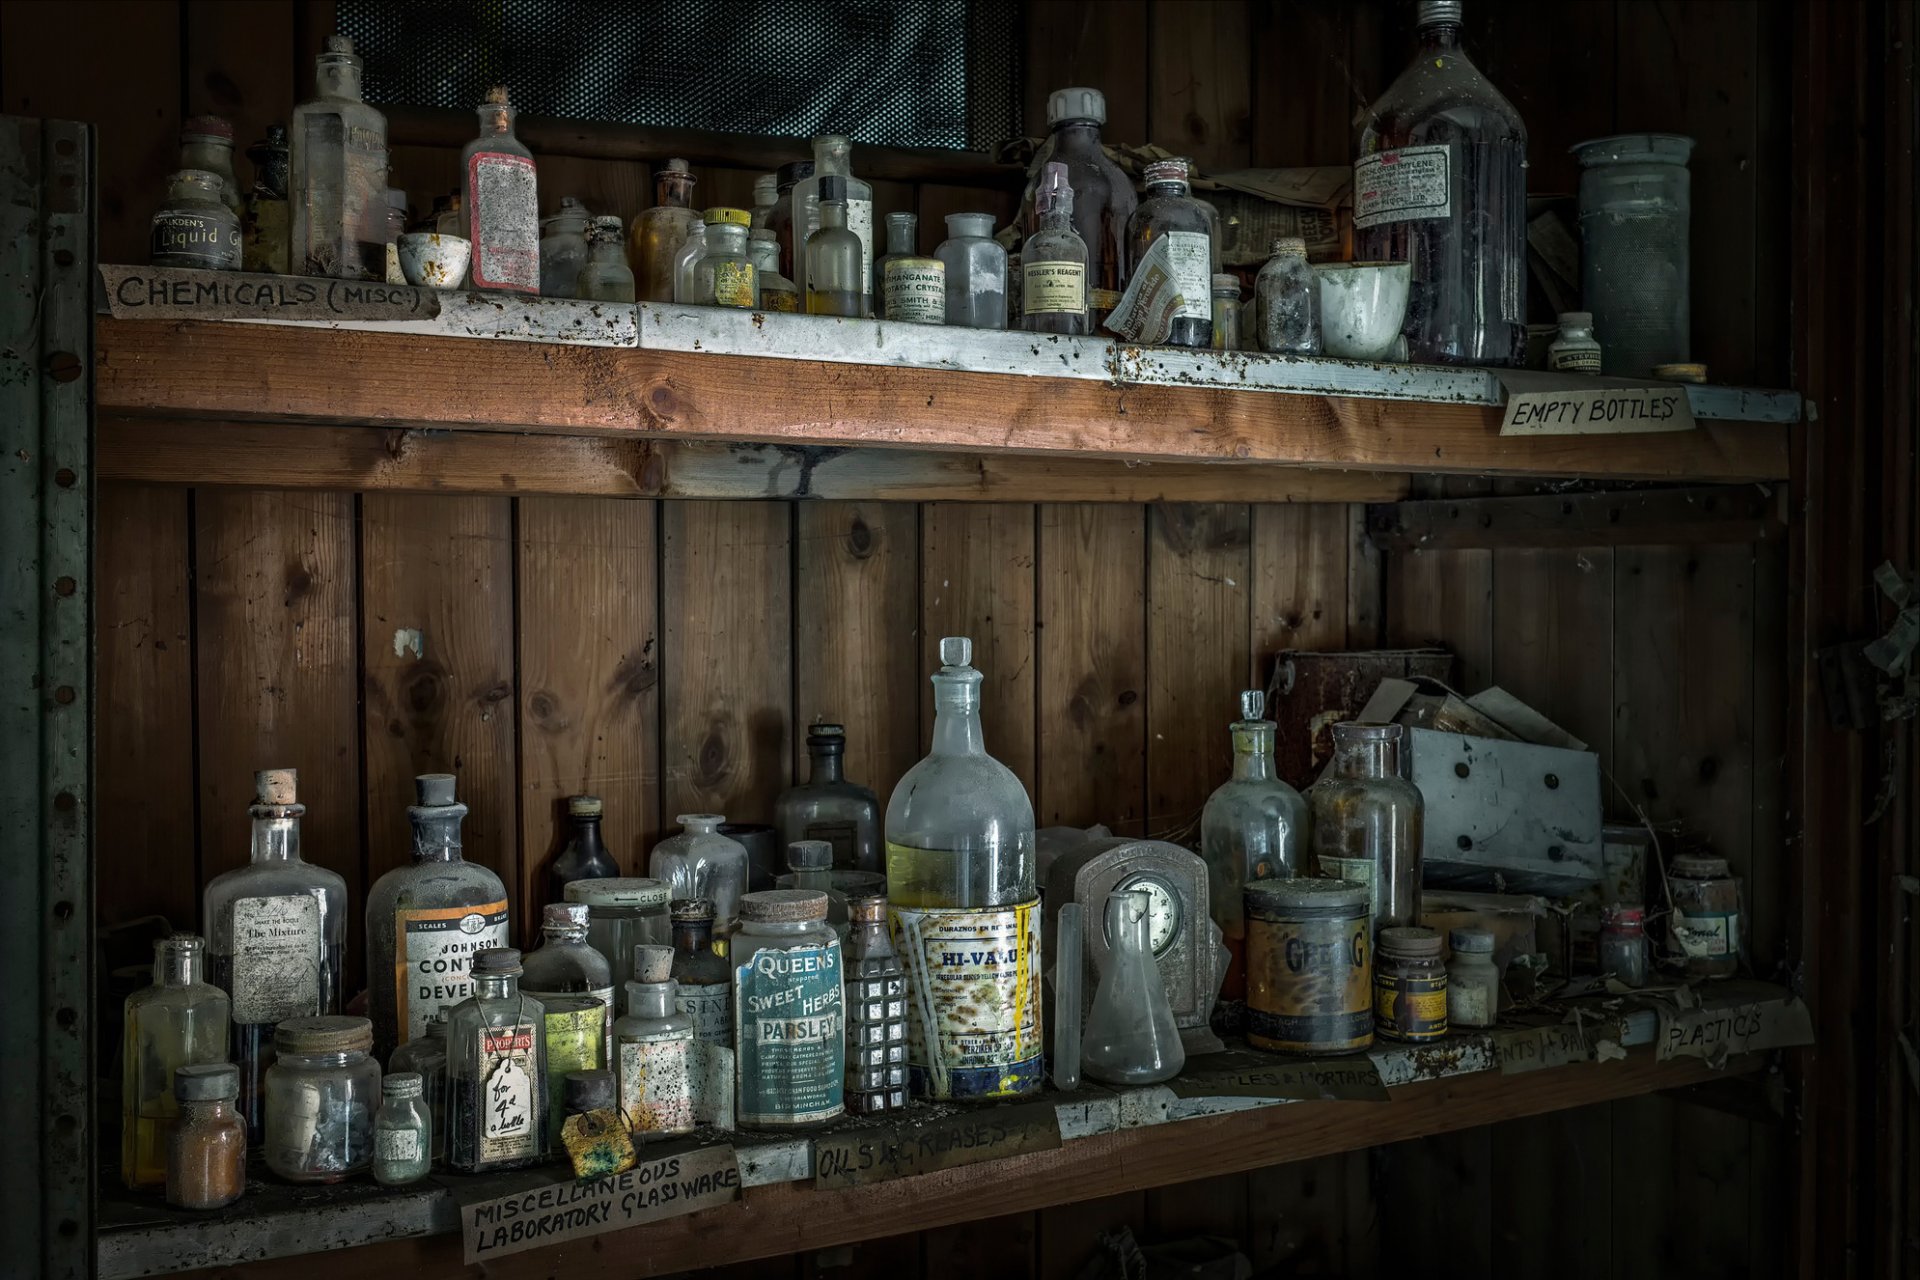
{"type": "Point", "coordinates": [686, 264]}
{"type": "Point", "coordinates": [1103, 196]}
{"type": "Point", "coordinates": [1286, 301]}
{"type": "Point", "coordinates": [1173, 233]}
{"type": "Point", "coordinates": [606, 277]}
{"type": "Point", "coordinates": [322, 1094]}
{"type": "Point", "coordinates": [903, 241]}
{"type": "Point", "coordinates": [724, 276]}
{"type": "Point", "coordinates": [833, 264]}
{"type": "Point", "coordinates": [263, 224]}
{"type": "Point", "coordinates": [766, 194]}
{"type": "Point", "coordinates": [1441, 182]}
{"type": "Point", "coordinates": [563, 249]}
{"type": "Point", "coordinates": [1409, 985]}
{"type": "Point", "coordinates": [207, 1154]}
{"type": "Point", "coordinates": [876, 1011]}
{"type": "Point", "coordinates": [832, 179]}
{"type": "Point", "coordinates": [179, 1021]}
{"type": "Point", "coordinates": [426, 1056]}
{"type": "Point", "coordinates": [206, 143]}
{"type": "Point", "coordinates": [193, 228]}
{"type": "Point", "coordinates": [1053, 263]}
{"type": "Point", "coordinates": [1130, 1037]}
{"type": "Point", "coordinates": [810, 866]}
{"type": "Point", "coordinates": [622, 913]}
{"type": "Point", "coordinates": [1366, 822]}
{"type": "Point", "coordinates": [914, 289]}
{"type": "Point", "coordinates": [657, 235]}
{"type": "Point", "coordinates": [496, 1070]}
{"type": "Point", "coordinates": [961, 864]}
{"type": "Point", "coordinates": [1623, 943]}
{"type": "Point", "coordinates": [1705, 925]}
{"type": "Point", "coordinates": [976, 269]}
{"type": "Point", "coordinates": [577, 1036]}
{"type": "Point", "coordinates": [828, 807]}
{"type": "Point", "coordinates": [1226, 313]}
{"type": "Point", "coordinates": [776, 291]}
{"type": "Point", "coordinates": [426, 920]}
{"type": "Point", "coordinates": [703, 984]}
{"type": "Point", "coordinates": [780, 221]}
{"type": "Point", "coordinates": [702, 863]}
{"type": "Point", "coordinates": [565, 965]}
{"type": "Point", "coordinates": [1574, 349]}
{"type": "Point", "coordinates": [584, 856]}
{"type": "Point", "coordinates": [276, 935]}
{"type": "Point", "coordinates": [1254, 827]}
{"type": "Point", "coordinates": [503, 202]}
{"type": "Point", "coordinates": [788, 1026]}
{"type": "Point", "coordinates": [653, 1050]}
{"type": "Point", "coordinates": [1473, 980]}
{"type": "Point", "coordinates": [337, 165]}
{"type": "Point", "coordinates": [402, 1132]}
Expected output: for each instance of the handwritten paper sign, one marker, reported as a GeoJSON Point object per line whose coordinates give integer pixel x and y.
{"type": "Point", "coordinates": [906, 1149]}
{"type": "Point", "coordinates": [1538, 1048]}
{"type": "Point", "coordinates": [1613, 407]}
{"type": "Point", "coordinates": [1354, 1079]}
{"type": "Point", "coordinates": [1715, 1034]}
{"type": "Point", "coordinates": [666, 1187]}
{"type": "Point", "coordinates": [175, 293]}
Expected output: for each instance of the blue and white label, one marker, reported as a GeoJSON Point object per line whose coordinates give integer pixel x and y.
{"type": "Point", "coordinates": [789, 1032]}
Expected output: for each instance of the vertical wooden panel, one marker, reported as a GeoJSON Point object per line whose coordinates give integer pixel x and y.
{"type": "Point", "coordinates": [1445, 597]}
{"type": "Point", "coordinates": [1200, 90]}
{"type": "Point", "coordinates": [1300, 579]}
{"type": "Point", "coordinates": [1092, 656]}
{"type": "Point", "coordinates": [240, 65]}
{"type": "Point", "coordinates": [1203, 1207]}
{"type": "Point", "coordinates": [1558, 73]}
{"type": "Point", "coordinates": [1553, 638]}
{"type": "Point", "coordinates": [977, 580]}
{"type": "Point", "coordinates": [1199, 577]}
{"type": "Point", "coordinates": [1680, 1177]}
{"type": "Point", "coordinates": [1435, 1192]}
{"type": "Point", "coordinates": [1303, 1216]}
{"type": "Point", "coordinates": [1101, 46]}
{"type": "Point", "coordinates": [589, 679]}
{"type": "Point", "coordinates": [857, 609]}
{"type": "Point", "coordinates": [727, 626]}
{"type": "Point", "coordinates": [888, 1258]}
{"type": "Point", "coordinates": [1070, 1233]}
{"type": "Point", "coordinates": [1305, 117]}
{"type": "Point", "coordinates": [1553, 1194]}
{"type": "Point", "coordinates": [991, 1247]}
{"type": "Point", "coordinates": [437, 625]}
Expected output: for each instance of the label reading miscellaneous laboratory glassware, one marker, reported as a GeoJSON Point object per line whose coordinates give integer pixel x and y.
{"type": "Point", "coordinates": [706, 1005]}
{"type": "Point", "coordinates": [433, 961]}
{"type": "Point", "coordinates": [507, 1121]}
{"type": "Point", "coordinates": [276, 958]}
{"type": "Point", "coordinates": [1399, 186]}
{"type": "Point", "coordinates": [505, 222]}
{"type": "Point", "coordinates": [978, 969]}
{"type": "Point", "coordinates": [789, 1036]}
{"type": "Point", "coordinates": [1054, 287]}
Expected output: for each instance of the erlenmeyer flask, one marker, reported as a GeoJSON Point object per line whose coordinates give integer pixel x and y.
{"type": "Point", "coordinates": [1130, 1036]}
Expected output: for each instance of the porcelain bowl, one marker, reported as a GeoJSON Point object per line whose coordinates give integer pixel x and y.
{"type": "Point", "coordinates": [434, 261]}
{"type": "Point", "coordinates": [1362, 306]}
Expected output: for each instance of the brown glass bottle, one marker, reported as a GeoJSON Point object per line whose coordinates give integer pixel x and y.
{"type": "Point", "coordinates": [656, 235]}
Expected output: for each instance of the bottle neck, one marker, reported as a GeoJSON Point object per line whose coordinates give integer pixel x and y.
{"type": "Point", "coordinates": [1075, 138]}
{"type": "Point", "coordinates": [1439, 37]}
{"type": "Point", "coordinates": [956, 717]}
{"type": "Point", "coordinates": [727, 238]}
{"type": "Point", "coordinates": [496, 121]}
{"type": "Point", "coordinates": [1059, 214]}
{"type": "Point", "coordinates": [1367, 760]}
{"type": "Point", "coordinates": [276, 839]}
{"type": "Point", "coordinates": [586, 836]}
{"type": "Point", "coordinates": [830, 162]}
{"type": "Point", "coordinates": [494, 986]}
{"type": "Point", "coordinates": [203, 1110]}
{"type": "Point", "coordinates": [901, 234]}
{"type": "Point", "coordinates": [971, 225]}
{"type": "Point", "coordinates": [693, 936]}
{"type": "Point", "coordinates": [673, 190]}
{"type": "Point", "coordinates": [1169, 188]}
{"type": "Point", "coordinates": [177, 967]}
{"type": "Point", "coordinates": [560, 935]}
{"type": "Point", "coordinates": [650, 999]}
{"type": "Point", "coordinates": [607, 250]}
{"type": "Point", "coordinates": [811, 878]}
{"type": "Point", "coordinates": [436, 839]}
{"type": "Point", "coordinates": [1126, 928]}
{"type": "Point", "coordinates": [826, 765]}
{"type": "Point", "coordinates": [833, 216]}
{"type": "Point", "coordinates": [1253, 750]}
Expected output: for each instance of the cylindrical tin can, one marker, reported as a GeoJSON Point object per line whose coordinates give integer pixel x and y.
{"type": "Point", "coordinates": [1635, 205]}
{"type": "Point", "coordinates": [576, 1041]}
{"type": "Point", "coordinates": [1309, 966]}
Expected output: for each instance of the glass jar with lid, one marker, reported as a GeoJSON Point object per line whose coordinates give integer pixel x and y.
{"type": "Point", "coordinates": [724, 275]}
{"type": "Point", "coordinates": [606, 277]}
{"type": "Point", "coordinates": [402, 1132]}
{"type": "Point", "coordinates": [194, 228]}
{"type": "Point", "coordinates": [322, 1093]}
{"type": "Point", "coordinates": [207, 1152]}
{"type": "Point", "coordinates": [1473, 980]}
{"type": "Point", "coordinates": [703, 984]}
{"type": "Point", "coordinates": [1286, 301]}
{"type": "Point", "coordinates": [1366, 821]}
{"type": "Point", "coordinates": [1409, 985]}
{"type": "Point", "coordinates": [563, 249]}
{"type": "Point", "coordinates": [1176, 235]}
{"type": "Point", "coordinates": [976, 270]}
{"type": "Point", "coordinates": [1623, 943]}
{"type": "Point", "coordinates": [622, 913]}
{"type": "Point", "coordinates": [788, 1028]}
{"type": "Point", "coordinates": [1706, 915]}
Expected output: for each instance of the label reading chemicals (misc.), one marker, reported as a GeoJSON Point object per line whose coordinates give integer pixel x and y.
{"type": "Point", "coordinates": [433, 957]}
{"type": "Point", "coordinates": [207, 241]}
{"type": "Point", "coordinates": [1410, 1008]}
{"type": "Point", "coordinates": [1401, 186]}
{"type": "Point", "coordinates": [276, 958]}
{"type": "Point", "coordinates": [397, 1145]}
{"type": "Point", "coordinates": [915, 293]}
{"type": "Point", "coordinates": [508, 1122]}
{"type": "Point", "coordinates": [973, 998]}
{"type": "Point", "coordinates": [788, 1031]}
{"type": "Point", "coordinates": [656, 1082]}
{"type": "Point", "coordinates": [709, 1006]}
{"type": "Point", "coordinates": [1054, 288]}
{"type": "Point", "coordinates": [734, 285]}
{"type": "Point", "coordinates": [504, 222]}
{"type": "Point", "coordinates": [1707, 936]}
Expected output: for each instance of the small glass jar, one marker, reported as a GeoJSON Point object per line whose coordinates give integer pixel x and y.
{"type": "Point", "coordinates": [1575, 350]}
{"type": "Point", "coordinates": [776, 291]}
{"type": "Point", "coordinates": [426, 1056]}
{"type": "Point", "coordinates": [606, 277]}
{"type": "Point", "coordinates": [1623, 943]}
{"type": "Point", "coordinates": [1226, 313]}
{"type": "Point", "coordinates": [1286, 301]}
{"type": "Point", "coordinates": [686, 262]}
{"type": "Point", "coordinates": [699, 862]}
{"type": "Point", "coordinates": [206, 143]}
{"type": "Point", "coordinates": [787, 1023]}
{"type": "Point", "coordinates": [322, 1092]}
{"type": "Point", "coordinates": [1706, 915]}
{"type": "Point", "coordinates": [207, 1151]}
{"type": "Point", "coordinates": [195, 228]}
{"type": "Point", "coordinates": [622, 913]}
{"type": "Point", "coordinates": [903, 240]}
{"type": "Point", "coordinates": [402, 1132]}
{"type": "Point", "coordinates": [563, 249]}
{"type": "Point", "coordinates": [1473, 980]}
{"type": "Point", "coordinates": [1409, 985]}
{"type": "Point", "coordinates": [976, 268]}
{"type": "Point", "coordinates": [724, 276]}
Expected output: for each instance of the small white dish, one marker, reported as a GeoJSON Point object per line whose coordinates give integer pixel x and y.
{"type": "Point", "coordinates": [433, 261]}
{"type": "Point", "coordinates": [1362, 307]}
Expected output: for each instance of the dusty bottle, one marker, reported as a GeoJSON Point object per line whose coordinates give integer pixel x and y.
{"type": "Point", "coordinates": [426, 1056]}
{"type": "Point", "coordinates": [699, 862]}
{"type": "Point", "coordinates": [193, 228]}
{"type": "Point", "coordinates": [1130, 1037]}
{"type": "Point", "coordinates": [1053, 263]}
{"type": "Point", "coordinates": [776, 291]}
{"type": "Point", "coordinates": [207, 1154]}
{"type": "Point", "coordinates": [1473, 980]}
{"type": "Point", "coordinates": [206, 143]}
{"type": "Point", "coordinates": [1226, 313]}
{"type": "Point", "coordinates": [788, 1021]}
{"type": "Point", "coordinates": [658, 234]}
{"type": "Point", "coordinates": [766, 194]}
{"type": "Point", "coordinates": [337, 165]}
{"type": "Point", "coordinates": [686, 264]}
{"type": "Point", "coordinates": [828, 807]}
{"type": "Point", "coordinates": [1623, 943]}
{"type": "Point", "coordinates": [653, 1050]}
{"type": "Point", "coordinates": [704, 986]}
{"type": "Point", "coordinates": [903, 241]}
{"type": "Point", "coordinates": [563, 249]}
{"type": "Point", "coordinates": [1103, 196]}
{"type": "Point", "coordinates": [179, 1021]}
{"type": "Point", "coordinates": [961, 867]}
{"type": "Point", "coordinates": [402, 1132]}
{"type": "Point", "coordinates": [606, 277]}
{"type": "Point", "coordinates": [876, 1008]}
{"type": "Point", "coordinates": [833, 263]}
{"type": "Point", "coordinates": [503, 202]}
{"type": "Point", "coordinates": [1574, 349]}
{"type": "Point", "coordinates": [976, 272]}
{"type": "Point", "coordinates": [585, 856]}
{"type": "Point", "coordinates": [496, 1070]}
{"type": "Point", "coordinates": [565, 965]}
{"type": "Point", "coordinates": [1366, 822]}
{"type": "Point", "coordinates": [810, 866]}
{"type": "Point", "coordinates": [426, 920]}
{"type": "Point", "coordinates": [263, 223]}
{"type": "Point", "coordinates": [1705, 925]}
{"type": "Point", "coordinates": [780, 220]}
{"type": "Point", "coordinates": [832, 179]}
{"type": "Point", "coordinates": [1441, 181]}
{"type": "Point", "coordinates": [724, 274]}
{"type": "Point", "coordinates": [1286, 301]}
{"type": "Point", "coordinates": [1170, 239]}
{"type": "Point", "coordinates": [276, 935]}
{"type": "Point", "coordinates": [323, 1092]}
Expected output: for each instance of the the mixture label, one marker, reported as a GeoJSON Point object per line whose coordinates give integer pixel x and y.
{"type": "Point", "coordinates": [276, 958]}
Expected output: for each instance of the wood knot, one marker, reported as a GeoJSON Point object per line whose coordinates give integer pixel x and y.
{"type": "Point", "coordinates": [860, 539]}
{"type": "Point", "coordinates": [543, 708]}
{"type": "Point", "coordinates": [299, 582]}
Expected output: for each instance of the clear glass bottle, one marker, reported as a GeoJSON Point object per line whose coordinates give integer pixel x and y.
{"type": "Point", "coordinates": [766, 194]}
{"type": "Point", "coordinates": [263, 224]}
{"type": "Point", "coordinates": [1254, 827]}
{"type": "Point", "coordinates": [1053, 263]}
{"type": "Point", "coordinates": [776, 291]}
{"type": "Point", "coordinates": [657, 235]}
{"type": "Point", "coordinates": [578, 1038]}
{"type": "Point", "coordinates": [976, 269]}
{"type": "Point", "coordinates": [724, 276]}
{"type": "Point", "coordinates": [1226, 313]}
{"type": "Point", "coordinates": [832, 179]}
{"type": "Point", "coordinates": [686, 264]}
{"type": "Point", "coordinates": [1130, 1036]}
{"type": "Point", "coordinates": [702, 863]}
{"type": "Point", "coordinates": [426, 920]}
{"type": "Point", "coordinates": [1103, 195]}
{"type": "Point", "coordinates": [622, 913]}
{"type": "Point", "coordinates": [206, 143]}
{"type": "Point", "coordinates": [606, 277]}
{"type": "Point", "coordinates": [322, 1094]}
{"type": "Point", "coordinates": [565, 965]}
{"type": "Point", "coordinates": [426, 1056]}
{"type": "Point", "coordinates": [914, 289]}
{"type": "Point", "coordinates": [207, 1153]}
{"type": "Point", "coordinates": [903, 241]}
{"type": "Point", "coordinates": [961, 864]}
{"type": "Point", "coordinates": [1366, 822]}
{"type": "Point", "coordinates": [1175, 233]}
{"type": "Point", "coordinates": [876, 1011]}
{"type": "Point", "coordinates": [1441, 182]}
{"type": "Point", "coordinates": [1574, 349]}
{"type": "Point", "coordinates": [503, 202]}
{"type": "Point", "coordinates": [833, 263]}
{"type": "Point", "coordinates": [402, 1132]}
{"type": "Point", "coordinates": [1473, 980]}
{"type": "Point", "coordinates": [810, 866]}
{"type": "Point", "coordinates": [193, 228]}
{"type": "Point", "coordinates": [337, 166]}
{"type": "Point", "coordinates": [563, 249]}
{"type": "Point", "coordinates": [780, 220]}
{"type": "Point", "coordinates": [276, 935]}
{"type": "Point", "coordinates": [1286, 301]}
{"type": "Point", "coordinates": [703, 983]}
{"type": "Point", "coordinates": [584, 856]}
{"type": "Point", "coordinates": [496, 1070]}
{"type": "Point", "coordinates": [1623, 943]}
{"type": "Point", "coordinates": [828, 807]}
{"type": "Point", "coordinates": [653, 1050]}
{"type": "Point", "coordinates": [179, 1021]}
{"type": "Point", "coordinates": [788, 1025]}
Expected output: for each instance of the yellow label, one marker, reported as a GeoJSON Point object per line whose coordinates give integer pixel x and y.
{"type": "Point", "coordinates": [973, 987]}
{"type": "Point", "coordinates": [733, 285]}
{"type": "Point", "coordinates": [1103, 299]}
{"type": "Point", "coordinates": [1055, 287]}
{"type": "Point", "coordinates": [779, 300]}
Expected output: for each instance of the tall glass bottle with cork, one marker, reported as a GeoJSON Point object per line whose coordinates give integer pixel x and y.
{"type": "Point", "coordinates": [1103, 198]}
{"type": "Point", "coordinates": [961, 869]}
{"type": "Point", "coordinates": [276, 935]}
{"type": "Point", "coordinates": [657, 234]}
{"type": "Point", "coordinates": [832, 161]}
{"type": "Point", "coordinates": [337, 167]}
{"type": "Point", "coordinates": [502, 202]}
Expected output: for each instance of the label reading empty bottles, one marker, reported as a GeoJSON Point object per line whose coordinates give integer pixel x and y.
{"type": "Point", "coordinates": [1400, 186]}
{"type": "Point", "coordinates": [734, 285]}
{"type": "Point", "coordinates": [276, 958]}
{"type": "Point", "coordinates": [433, 962]}
{"type": "Point", "coordinates": [656, 1082]}
{"type": "Point", "coordinates": [973, 998]}
{"type": "Point", "coordinates": [504, 222]}
{"type": "Point", "coordinates": [509, 1128]}
{"type": "Point", "coordinates": [1613, 410]}
{"type": "Point", "coordinates": [569, 1209]}
{"type": "Point", "coordinates": [1054, 288]}
{"type": "Point", "coordinates": [916, 293]}
{"type": "Point", "coordinates": [884, 1152]}
{"type": "Point", "coordinates": [789, 1035]}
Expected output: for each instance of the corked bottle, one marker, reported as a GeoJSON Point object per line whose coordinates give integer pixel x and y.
{"type": "Point", "coordinates": [653, 1050]}
{"type": "Point", "coordinates": [207, 1151]}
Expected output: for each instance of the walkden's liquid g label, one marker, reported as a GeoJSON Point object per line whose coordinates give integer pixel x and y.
{"type": "Point", "coordinates": [973, 999]}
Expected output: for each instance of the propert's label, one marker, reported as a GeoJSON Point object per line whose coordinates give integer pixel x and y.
{"type": "Point", "coordinates": [709, 1005]}
{"type": "Point", "coordinates": [1173, 281]}
{"type": "Point", "coordinates": [1402, 186]}
{"type": "Point", "coordinates": [433, 957]}
{"type": "Point", "coordinates": [504, 222]}
{"type": "Point", "coordinates": [656, 1082]}
{"type": "Point", "coordinates": [196, 240]}
{"type": "Point", "coordinates": [916, 293]}
{"type": "Point", "coordinates": [276, 958]}
{"type": "Point", "coordinates": [975, 972]}
{"type": "Point", "coordinates": [789, 1032]}
{"type": "Point", "coordinates": [509, 1096]}
{"type": "Point", "coordinates": [1705, 936]}
{"type": "Point", "coordinates": [734, 285]}
{"type": "Point", "coordinates": [1410, 1008]}
{"type": "Point", "coordinates": [1054, 288]}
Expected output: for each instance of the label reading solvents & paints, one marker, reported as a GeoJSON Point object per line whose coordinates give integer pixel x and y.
{"type": "Point", "coordinates": [433, 957]}
{"type": "Point", "coordinates": [789, 1035]}
{"type": "Point", "coordinates": [504, 222]}
{"type": "Point", "coordinates": [276, 958]}
{"type": "Point", "coordinates": [1054, 288]}
{"type": "Point", "coordinates": [973, 999]}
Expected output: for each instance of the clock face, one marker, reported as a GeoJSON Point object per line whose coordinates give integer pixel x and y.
{"type": "Point", "coordinates": [1163, 909]}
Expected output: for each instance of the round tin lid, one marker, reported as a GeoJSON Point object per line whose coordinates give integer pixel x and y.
{"type": "Point", "coordinates": [1414, 941]}
{"type": "Point", "coordinates": [1473, 942]}
{"type": "Point", "coordinates": [583, 806]}
{"type": "Point", "coordinates": [402, 1084]}
{"type": "Point", "coordinates": [783, 906]}
{"type": "Point", "coordinates": [1695, 866]}
{"type": "Point", "coordinates": [207, 1082]}
{"type": "Point", "coordinates": [620, 891]}
{"type": "Point", "coordinates": [334, 1033]}
{"type": "Point", "coordinates": [497, 962]}
{"type": "Point", "coordinates": [1305, 891]}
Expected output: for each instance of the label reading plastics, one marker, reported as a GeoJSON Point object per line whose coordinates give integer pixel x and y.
{"type": "Point", "coordinates": [433, 960]}
{"type": "Point", "coordinates": [276, 958]}
{"type": "Point", "coordinates": [790, 1035]}
{"type": "Point", "coordinates": [1401, 186]}
{"type": "Point", "coordinates": [973, 999]}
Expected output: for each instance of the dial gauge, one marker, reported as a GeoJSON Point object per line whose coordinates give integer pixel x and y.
{"type": "Point", "coordinates": [1163, 909]}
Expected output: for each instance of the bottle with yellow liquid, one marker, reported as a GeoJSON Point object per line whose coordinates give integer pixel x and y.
{"type": "Point", "coordinates": [965, 911]}
{"type": "Point", "coordinates": [180, 1021]}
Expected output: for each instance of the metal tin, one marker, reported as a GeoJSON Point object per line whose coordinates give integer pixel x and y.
{"type": "Point", "coordinates": [1309, 966]}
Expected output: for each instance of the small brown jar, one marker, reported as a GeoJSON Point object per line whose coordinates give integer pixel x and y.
{"type": "Point", "coordinates": [207, 1152]}
{"type": "Point", "coordinates": [1706, 915]}
{"type": "Point", "coordinates": [1409, 985]}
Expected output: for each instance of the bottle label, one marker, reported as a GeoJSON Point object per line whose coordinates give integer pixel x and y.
{"type": "Point", "coordinates": [656, 1082]}
{"type": "Point", "coordinates": [504, 222]}
{"type": "Point", "coordinates": [433, 958]}
{"type": "Point", "coordinates": [843, 836]}
{"type": "Point", "coordinates": [204, 240]}
{"type": "Point", "coordinates": [788, 1034]}
{"type": "Point", "coordinates": [396, 1146]}
{"type": "Point", "coordinates": [603, 994]}
{"type": "Point", "coordinates": [1173, 281]}
{"type": "Point", "coordinates": [1467, 1005]}
{"type": "Point", "coordinates": [276, 958]}
{"type": "Point", "coordinates": [859, 221]}
{"type": "Point", "coordinates": [1103, 300]}
{"type": "Point", "coordinates": [1402, 186]}
{"type": "Point", "coordinates": [1704, 937]}
{"type": "Point", "coordinates": [916, 293]}
{"type": "Point", "coordinates": [973, 998]}
{"type": "Point", "coordinates": [507, 1069]}
{"type": "Point", "coordinates": [1352, 870]}
{"type": "Point", "coordinates": [1575, 360]}
{"type": "Point", "coordinates": [1054, 288]}
{"type": "Point", "coordinates": [733, 285]}
{"type": "Point", "coordinates": [779, 300]}
{"type": "Point", "coordinates": [576, 1041]}
{"type": "Point", "coordinates": [1410, 1008]}
{"type": "Point", "coordinates": [709, 1005]}
{"type": "Point", "coordinates": [1309, 983]}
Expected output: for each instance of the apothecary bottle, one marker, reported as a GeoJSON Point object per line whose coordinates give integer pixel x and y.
{"type": "Point", "coordinates": [1705, 923]}
{"type": "Point", "coordinates": [426, 920]}
{"type": "Point", "coordinates": [402, 1132]}
{"type": "Point", "coordinates": [179, 1021]}
{"type": "Point", "coordinates": [1130, 1036]}
{"type": "Point", "coordinates": [1174, 233]}
{"type": "Point", "coordinates": [787, 1015]}
{"type": "Point", "coordinates": [606, 277]}
{"type": "Point", "coordinates": [976, 268]}
{"type": "Point", "coordinates": [1574, 349]}
{"type": "Point", "coordinates": [699, 862]}
{"type": "Point", "coordinates": [207, 1153]}
{"type": "Point", "coordinates": [832, 179]}
{"type": "Point", "coordinates": [322, 1094]}
{"type": "Point", "coordinates": [810, 866]}
{"type": "Point", "coordinates": [1053, 263]}
{"type": "Point", "coordinates": [1286, 301]}
{"type": "Point", "coordinates": [903, 241]}
{"type": "Point", "coordinates": [563, 249]}
{"type": "Point", "coordinates": [961, 865]}
{"type": "Point", "coordinates": [1409, 985]}
{"type": "Point", "coordinates": [1103, 196]}
{"type": "Point", "coordinates": [426, 1056]}
{"type": "Point", "coordinates": [724, 276]}
{"type": "Point", "coordinates": [584, 856]}
{"type": "Point", "coordinates": [1254, 827]}
{"type": "Point", "coordinates": [264, 222]}
{"type": "Point", "coordinates": [1623, 944]}
{"type": "Point", "coordinates": [276, 935]}
{"type": "Point", "coordinates": [658, 234]}
{"type": "Point", "coordinates": [1226, 313]}
{"type": "Point", "coordinates": [1366, 822]}
{"type": "Point", "coordinates": [653, 1050]}
{"type": "Point", "coordinates": [503, 202]}
{"type": "Point", "coordinates": [829, 807]}
{"type": "Point", "coordinates": [496, 1070]}
{"type": "Point", "coordinates": [876, 1011]}
{"type": "Point", "coordinates": [193, 228]}
{"type": "Point", "coordinates": [564, 964]}
{"type": "Point", "coordinates": [686, 264]}
{"type": "Point", "coordinates": [776, 291]}
{"type": "Point", "coordinates": [766, 194]}
{"type": "Point", "coordinates": [1440, 180]}
{"type": "Point", "coordinates": [703, 988]}
{"type": "Point", "coordinates": [337, 163]}
{"type": "Point", "coordinates": [206, 143]}
{"type": "Point", "coordinates": [834, 286]}
{"type": "Point", "coordinates": [622, 913]}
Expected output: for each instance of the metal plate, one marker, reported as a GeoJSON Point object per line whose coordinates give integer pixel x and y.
{"type": "Point", "coordinates": [1506, 816]}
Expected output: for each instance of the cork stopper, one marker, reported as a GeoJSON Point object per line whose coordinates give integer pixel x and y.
{"type": "Point", "coordinates": [276, 787]}
{"type": "Point", "coordinates": [340, 45]}
{"type": "Point", "coordinates": [497, 96]}
{"type": "Point", "coordinates": [1173, 169]}
{"type": "Point", "coordinates": [783, 906]}
{"type": "Point", "coordinates": [677, 166]}
{"type": "Point", "coordinates": [809, 855]}
{"type": "Point", "coordinates": [583, 806]}
{"type": "Point", "coordinates": [587, 1091]}
{"type": "Point", "coordinates": [1289, 247]}
{"type": "Point", "coordinates": [563, 915]}
{"type": "Point", "coordinates": [867, 908]}
{"type": "Point", "coordinates": [402, 1084]}
{"type": "Point", "coordinates": [207, 1082]}
{"type": "Point", "coordinates": [691, 911]}
{"type": "Point", "coordinates": [827, 737]}
{"type": "Point", "coordinates": [652, 964]}
{"type": "Point", "coordinates": [956, 651]}
{"type": "Point", "coordinates": [1253, 704]}
{"type": "Point", "coordinates": [497, 962]}
{"type": "Point", "coordinates": [434, 790]}
{"type": "Point", "coordinates": [335, 1033]}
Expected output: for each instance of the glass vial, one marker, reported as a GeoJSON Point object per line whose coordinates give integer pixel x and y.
{"type": "Point", "coordinates": [263, 223]}
{"type": "Point", "coordinates": [653, 1050]}
{"type": "Point", "coordinates": [563, 249]}
{"type": "Point", "coordinates": [193, 228]}
{"type": "Point", "coordinates": [402, 1132]}
{"type": "Point", "coordinates": [426, 1056]}
{"type": "Point", "coordinates": [337, 162]}
{"type": "Point", "coordinates": [699, 862]}
{"type": "Point", "coordinates": [832, 179]}
{"type": "Point", "coordinates": [828, 807]}
{"type": "Point", "coordinates": [496, 1070]}
{"type": "Point", "coordinates": [1103, 196]}
{"type": "Point", "coordinates": [1169, 238]}
{"type": "Point", "coordinates": [565, 965]}
{"type": "Point", "coordinates": [606, 277]}
{"type": "Point", "coordinates": [1574, 349]}
{"type": "Point", "coordinates": [766, 194]}
{"type": "Point", "coordinates": [1366, 822]}
{"type": "Point", "coordinates": [903, 241]}
{"type": "Point", "coordinates": [584, 856]}
{"type": "Point", "coordinates": [658, 234]}
{"type": "Point", "coordinates": [1473, 980]}
{"type": "Point", "coordinates": [776, 291]}
{"type": "Point", "coordinates": [976, 272]}
{"type": "Point", "coordinates": [787, 1018]}
{"type": "Point", "coordinates": [876, 1008]}
{"type": "Point", "coordinates": [502, 202]}
{"type": "Point", "coordinates": [1053, 263]}
{"type": "Point", "coordinates": [207, 1154]}
{"type": "Point", "coordinates": [832, 262]}
{"type": "Point", "coordinates": [703, 985]}
{"type": "Point", "coordinates": [1226, 313]}
{"type": "Point", "coordinates": [686, 264]}
{"type": "Point", "coordinates": [322, 1093]}
{"type": "Point", "coordinates": [1130, 1037]}
{"type": "Point", "coordinates": [1286, 301]}
{"type": "Point", "coordinates": [724, 276]}
{"type": "Point", "coordinates": [179, 1021]}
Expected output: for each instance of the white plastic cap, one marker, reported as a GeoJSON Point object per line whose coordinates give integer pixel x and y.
{"type": "Point", "coordinates": [1076, 104]}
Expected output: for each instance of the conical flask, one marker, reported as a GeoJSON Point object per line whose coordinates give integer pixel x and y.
{"type": "Point", "coordinates": [1130, 1036]}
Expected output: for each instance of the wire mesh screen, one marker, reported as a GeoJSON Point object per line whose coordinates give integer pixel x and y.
{"type": "Point", "coordinates": [904, 73]}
